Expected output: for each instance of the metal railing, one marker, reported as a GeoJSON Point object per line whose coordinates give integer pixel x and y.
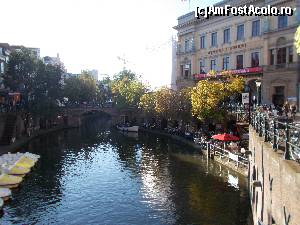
{"type": "Point", "coordinates": [240, 111]}
{"type": "Point", "coordinates": [237, 158]}
{"type": "Point", "coordinates": [280, 133]}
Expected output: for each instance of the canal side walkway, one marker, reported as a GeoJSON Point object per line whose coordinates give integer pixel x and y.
{"type": "Point", "coordinates": [19, 143]}
{"type": "Point", "coordinates": [225, 162]}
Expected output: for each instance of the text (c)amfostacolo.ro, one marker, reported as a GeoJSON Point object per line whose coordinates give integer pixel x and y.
{"type": "Point", "coordinates": [250, 10]}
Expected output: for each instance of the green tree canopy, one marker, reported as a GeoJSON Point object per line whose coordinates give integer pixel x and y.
{"type": "Point", "coordinates": [126, 74]}
{"type": "Point", "coordinates": [104, 93]}
{"type": "Point", "coordinates": [21, 70]}
{"type": "Point", "coordinates": [81, 89]}
{"type": "Point", "coordinates": [127, 90]}
{"type": "Point", "coordinates": [47, 93]}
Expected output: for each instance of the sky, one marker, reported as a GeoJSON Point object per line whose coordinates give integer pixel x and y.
{"type": "Point", "coordinates": [91, 34]}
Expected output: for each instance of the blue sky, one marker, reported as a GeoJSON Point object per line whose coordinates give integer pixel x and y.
{"type": "Point", "coordinates": [91, 34]}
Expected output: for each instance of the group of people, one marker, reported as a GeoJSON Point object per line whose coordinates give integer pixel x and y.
{"type": "Point", "coordinates": [288, 110]}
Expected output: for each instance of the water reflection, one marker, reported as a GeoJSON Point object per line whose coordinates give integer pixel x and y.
{"type": "Point", "coordinates": [95, 175]}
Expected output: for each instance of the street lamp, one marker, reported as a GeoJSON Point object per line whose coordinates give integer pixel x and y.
{"type": "Point", "coordinates": [258, 86]}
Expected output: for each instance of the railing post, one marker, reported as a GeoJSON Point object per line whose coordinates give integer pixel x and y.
{"type": "Point", "coordinates": [265, 128]}
{"type": "Point", "coordinates": [260, 125]}
{"type": "Point", "coordinates": [256, 122]}
{"type": "Point", "coordinates": [274, 146]}
{"type": "Point", "coordinates": [287, 137]}
{"type": "Point", "coordinates": [208, 149]}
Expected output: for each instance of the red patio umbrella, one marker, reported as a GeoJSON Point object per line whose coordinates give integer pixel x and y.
{"type": "Point", "coordinates": [225, 137]}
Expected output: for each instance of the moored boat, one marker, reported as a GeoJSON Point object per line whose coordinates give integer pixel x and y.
{"type": "Point", "coordinates": [14, 170]}
{"type": "Point", "coordinates": [128, 128]}
{"type": "Point", "coordinates": [5, 193]}
{"type": "Point", "coordinates": [10, 181]}
{"type": "Point", "coordinates": [25, 162]}
{"type": "Point", "coordinates": [1, 203]}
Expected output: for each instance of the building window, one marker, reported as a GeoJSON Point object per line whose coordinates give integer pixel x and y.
{"type": "Point", "coordinates": [272, 56]}
{"type": "Point", "coordinates": [202, 66]}
{"type": "Point", "coordinates": [214, 39]}
{"type": "Point", "coordinates": [213, 64]}
{"type": "Point", "coordinates": [239, 62]}
{"type": "Point", "coordinates": [255, 28]}
{"type": "Point", "coordinates": [181, 70]}
{"type": "Point", "coordinates": [254, 59]}
{"type": "Point", "coordinates": [226, 63]}
{"type": "Point", "coordinates": [186, 45]}
{"type": "Point", "coordinates": [282, 21]}
{"type": "Point", "coordinates": [278, 96]}
{"type": "Point", "coordinates": [202, 42]}
{"type": "Point", "coordinates": [187, 70]}
{"type": "Point", "coordinates": [290, 49]}
{"type": "Point", "coordinates": [226, 35]}
{"type": "Point", "coordinates": [240, 32]}
{"type": "Point", "coordinates": [281, 56]}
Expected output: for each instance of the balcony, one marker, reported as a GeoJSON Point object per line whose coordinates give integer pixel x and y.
{"type": "Point", "coordinates": [283, 66]}
{"type": "Point", "coordinates": [273, 30]}
{"type": "Point", "coordinates": [190, 51]}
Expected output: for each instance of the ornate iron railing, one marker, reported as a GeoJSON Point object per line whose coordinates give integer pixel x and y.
{"type": "Point", "coordinates": [281, 133]}
{"type": "Point", "coordinates": [240, 111]}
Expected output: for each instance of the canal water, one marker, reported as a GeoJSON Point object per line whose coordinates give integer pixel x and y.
{"type": "Point", "coordinates": [96, 175]}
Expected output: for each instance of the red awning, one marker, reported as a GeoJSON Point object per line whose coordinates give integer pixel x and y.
{"type": "Point", "coordinates": [244, 71]}
{"type": "Point", "coordinates": [225, 137]}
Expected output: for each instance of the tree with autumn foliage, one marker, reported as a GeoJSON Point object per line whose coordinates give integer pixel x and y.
{"type": "Point", "coordinates": [147, 103]}
{"type": "Point", "coordinates": [297, 40]}
{"type": "Point", "coordinates": [163, 103]}
{"type": "Point", "coordinates": [208, 96]}
{"type": "Point", "coordinates": [168, 104]}
{"type": "Point", "coordinates": [182, 104]}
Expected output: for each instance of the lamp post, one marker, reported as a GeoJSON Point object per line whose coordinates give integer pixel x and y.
{"type": "Point", "coordinates": [248, 90]}
{"type": "Point", "coordinates": [258, 87]}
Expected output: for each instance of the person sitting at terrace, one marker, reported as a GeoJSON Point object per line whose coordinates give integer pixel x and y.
{"type": "Point", "coordinates": [286, 108]}
{"type": "Point", "coordinates": [293, 111]}
{"type": "Point", "coordinates": [233, 147]}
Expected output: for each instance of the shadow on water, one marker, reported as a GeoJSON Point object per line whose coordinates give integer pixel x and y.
{"type": "Point", "coordinates": [97, 175]}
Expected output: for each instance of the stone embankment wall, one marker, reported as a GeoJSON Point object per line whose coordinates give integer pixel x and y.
{"type": "Point", "coordinates": [274, 184]}
{"type": "Point", "coordinates": [2, 124]}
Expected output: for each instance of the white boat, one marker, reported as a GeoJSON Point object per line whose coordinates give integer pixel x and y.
{"type": "Point", "coordinates": [11, 159]}
{"type": "Point", "coordinates": [1, 203]}
{"type": "Point", "coordinates": [5, 193]}
{"type": "Point", "coordinates": [128, 129]}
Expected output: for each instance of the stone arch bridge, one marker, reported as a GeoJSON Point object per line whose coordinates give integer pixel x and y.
{"type": "Point", "coordinates": [76, 115]}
